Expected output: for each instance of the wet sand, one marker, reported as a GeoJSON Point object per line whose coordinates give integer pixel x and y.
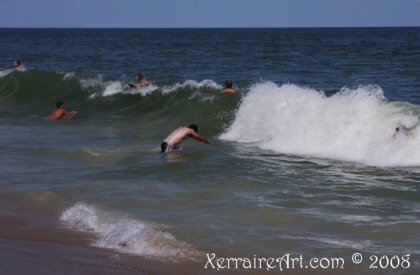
{"type": "Point", "coordinates": [26, 257]}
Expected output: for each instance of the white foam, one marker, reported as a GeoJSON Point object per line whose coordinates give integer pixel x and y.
{"type": "Point", "coordinates": [8, 71]}
{"type": "Point", "coordinates": [109, 88]}
{"type": "Point", "coordinates": [125, 234]}
{"type": "Point", "coordinates": [67, 75]}
{"type": "Point", "coordinates": [143, 90]}
{"type": "Point", "coordinates": [353, 125]}
{"type": "Point", "coordinates": [193, 84]}
{"type": "Point", "coordinates": [201, 97]}
{"type": "Point", "coordinates": [106, 88]}
{"type": "Point", "coordinates": [92, 82]}
{"type": "Point", "coordinates": [112, 88]}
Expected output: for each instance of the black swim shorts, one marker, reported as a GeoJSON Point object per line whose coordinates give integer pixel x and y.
{"type": "Point", "coordinates": [163, 147]}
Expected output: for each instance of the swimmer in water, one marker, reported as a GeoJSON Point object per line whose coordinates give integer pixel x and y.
{"type": "Point", "coordinates": [60, 112]}
{"type": "Point", "coordinates": [16, 64]}
{"type": "Point", "coordinates": [405, 130]}
{"type": "Point", "coordinates": [179, 134]}
{"type": "Point", "coordinates": [141, 81]}
{"type": "Point", "coordinates": [229, 88]}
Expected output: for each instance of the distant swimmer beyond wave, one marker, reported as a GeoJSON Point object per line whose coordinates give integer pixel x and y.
{"type": "Point", "coordinates": [179, 134]}
{"type": "Point", "coordinates": [61, 113]}
{"type": "Point", "coordinates": [141, 81]}
{"type": "Point", "coordinates": [229, 89]}
{"type": "Point", "coordinates": [16, 64]}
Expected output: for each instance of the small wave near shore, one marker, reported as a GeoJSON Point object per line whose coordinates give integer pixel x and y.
{"type": "Point", "coordinates": [125, 234]}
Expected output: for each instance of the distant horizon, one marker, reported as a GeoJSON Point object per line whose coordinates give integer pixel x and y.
{"type": "Point", "coordinates": [332, 27]}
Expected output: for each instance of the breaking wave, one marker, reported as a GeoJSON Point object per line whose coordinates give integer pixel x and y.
{"type": "Point", "coordinates": [354, 125]}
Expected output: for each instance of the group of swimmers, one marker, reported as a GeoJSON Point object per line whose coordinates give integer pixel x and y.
{"type": "Point", "coordinates": [141, 81]}
{"type": "Point", "coordinates": [179, 134]}
{"type": "Point", "coordinates": [172, 141]}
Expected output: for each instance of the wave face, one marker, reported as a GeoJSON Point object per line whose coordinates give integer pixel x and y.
{"type": "Point", "coordinates": [354, 125]}
{"type": "Point", "coordinates": [125, 234]}
{"type": "Point", "coordinates": [95, 96]}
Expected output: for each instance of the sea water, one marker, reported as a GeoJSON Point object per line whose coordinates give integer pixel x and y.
{"type": "Point", "coordinates": [304, 161]}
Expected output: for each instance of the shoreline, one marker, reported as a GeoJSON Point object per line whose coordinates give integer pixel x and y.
{"type": "Point", "coordinates": [33, 257]}
{"type": "Point", "coordinates": [33, 241]}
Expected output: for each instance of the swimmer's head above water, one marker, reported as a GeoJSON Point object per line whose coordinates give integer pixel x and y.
{"type": "Point", "coordinates": [229, 83]}
{"type": "Point", "coordinates": [194, 127]}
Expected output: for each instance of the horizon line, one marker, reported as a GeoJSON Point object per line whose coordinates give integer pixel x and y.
{"type": "Point", "coordinates": [311, 27]}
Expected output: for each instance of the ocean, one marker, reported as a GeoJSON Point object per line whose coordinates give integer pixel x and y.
{"type": "Point", "coordinates": [304, 163]}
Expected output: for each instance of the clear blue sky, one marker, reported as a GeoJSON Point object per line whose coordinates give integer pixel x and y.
{"type": "Point", "coordinates": [208, 13]}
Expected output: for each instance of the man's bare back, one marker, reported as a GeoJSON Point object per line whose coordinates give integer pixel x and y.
{"type": "Point", "coordinates": [60, 112]}
{"type": "Point", "coordinates": [179, 134]}
{"type": "Point", "coordinates": [229, 90]}
{"type": "Point", "coordinates": [229, 85]}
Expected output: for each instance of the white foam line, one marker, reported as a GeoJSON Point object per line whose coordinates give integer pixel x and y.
{"type": "Point", "coordinates": [125, 234]}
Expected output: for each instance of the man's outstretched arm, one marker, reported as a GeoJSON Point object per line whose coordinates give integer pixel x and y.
{"type": "Point", "coordinates": [200, 138]}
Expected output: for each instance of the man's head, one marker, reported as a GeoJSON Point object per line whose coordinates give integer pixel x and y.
{"type": "Point", "coordinates": [229, 83]}
{"type": "Point", "coordinates": [59, 104]}
{"type": "Point", "coordinates": [194, 127]}
{"type": "Point", "coordinates": [139, 76]}
{"type": "Point", "coordinates": [16, 63]}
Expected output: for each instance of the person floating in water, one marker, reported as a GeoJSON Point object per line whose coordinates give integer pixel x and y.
{"type": "Point", "coordinates": [178, 135]}
{"type": "Point", "coordinates": [60, 112]}
{"type": "Point", "coordinates": [406, 131]}
{"type": "Point", "coordinates": [229, 88]}
{"type": "Point", "coordinates": [141, 81]}
{"type": "Point", "coordinates": [16, 64]}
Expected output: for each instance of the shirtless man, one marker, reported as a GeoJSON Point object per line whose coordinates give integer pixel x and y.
{"type": "Point", "coordinates": [141, 81]}
{"type": "Point", "coordinates": [60, 112]}
{"type": "Point", "coordinates": [177, 136]}
{"type": "Point", "coordinates": [16, 64]}
{"type": "Point", "coordinates": [229, 85]}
